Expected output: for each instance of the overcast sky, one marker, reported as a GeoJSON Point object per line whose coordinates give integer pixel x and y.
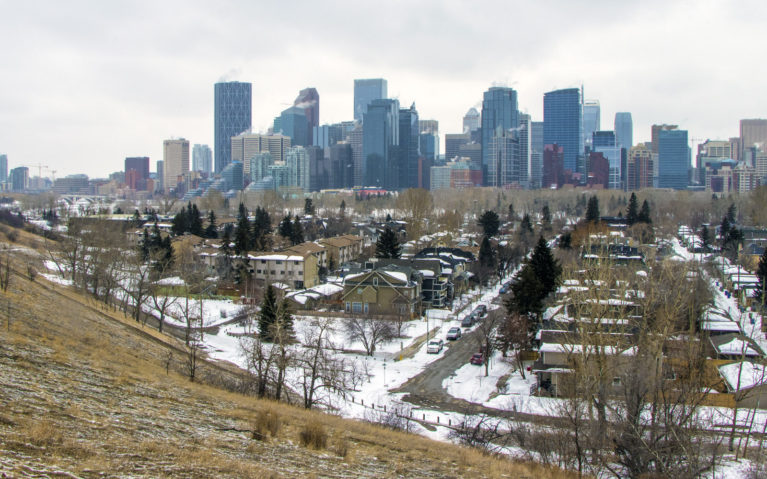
{"type": "Point", "coordinates": [84, 84]}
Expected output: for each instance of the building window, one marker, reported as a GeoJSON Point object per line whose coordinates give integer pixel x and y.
{"type": "Point", "coordinates": [367, 308]}
{"type": "Point", "coordinates": [263, 261]}
{"type": "Point", "coordinates": [616, 381]}
{"type": "Point", "coordinates": [356, 308]}
{"type": "Point", "coordinates": [272, 271]}
{"type": "Point", "coordinates": [300, 273]}
{"type": "Point", "coordinates": [279, 262]}
{"type": "Point", "coordinates": [348, 307]}
{"type": "Point", "coordinates": [282, 272]}
{"type": "Point", "coordinates": [258, 271]}
{"type": "Point", "coordinates": [295, 263]}
{"type": "Point", "coordinates": [375, 281]}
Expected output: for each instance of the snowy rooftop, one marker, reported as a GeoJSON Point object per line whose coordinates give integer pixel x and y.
{"type": "Point", "coordinates": [750, 375]}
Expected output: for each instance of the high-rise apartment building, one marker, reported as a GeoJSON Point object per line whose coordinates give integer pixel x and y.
{"type": "Point", "coordinates": [673, 159]}
{"type": "Point", "coordinates": [379, 144]}
{"type": "Point", "coordinates": [231, 116]}
{"type": "Point", "coordinates": [292, 122]}
{"type": "Point", "coordinates": [563, 124]}
{"type": "Point", "coordinates": [247, 145]}
{"type": "Point", "coordinates": [202, 159]}
{"type": "Point", "coordinates": [309, 101]}
{"type": "Point", "coordinates": [604, 142]}
{"type": "Point", "coordinates": [624, 130]}
{"type": "Point", "coordinates": [591, 120]}
{"type": "Point", "coordinates": [365, 91]}
{"type": "Point", "coordinates": [175, 162]}
{"type": "Point", "coordinates": [499, 114]}
{"type": "Point", "coordinates": [356, 137]}
{"type": "Point", "coordinates": [640, 168]}
{"type": "Point", "coordinates": [453, 142]}
{"type": "Point", "coordinates": [297, 161]}
{"type": "Point", "coordinates": [753, 132]}
{"type": "Point", "coordinates": [137, 172]}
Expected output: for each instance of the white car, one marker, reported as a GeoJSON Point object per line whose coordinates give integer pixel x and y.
{"type": "Point", "coordinates": [434, 346]}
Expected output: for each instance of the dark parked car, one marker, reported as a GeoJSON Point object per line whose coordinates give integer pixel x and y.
{"type": "Point", "coordinates": [482, 308]}
{"type": "Point", "coordinates": [477, 359]}
{"type": "Point", "coordinates": [467, 321]}
{"type": "Point", "coordinates": [454, 333]}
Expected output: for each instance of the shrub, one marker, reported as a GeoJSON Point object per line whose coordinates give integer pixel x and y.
{"type": "Point", "coordinates": [340, 445]}
{"type": "Point", "coordinates": [267, 422]}
{"type": "Point", "coordinates": [313, 435]}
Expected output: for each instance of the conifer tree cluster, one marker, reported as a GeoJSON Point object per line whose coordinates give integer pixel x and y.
{"type": "Point", "coordinates": [154, 247]}
{"type": "Point", "coordinates": [387, 245]}
{"type": "Point", "coordinates": [537, 279]}
{"type": "Point", "coordinates": [249, 235]}
{"type": "Point", "coordinates": [635, 214]}
{"type": "Point", "coordinates": [187, 220]}
{"type": "Point", "coordinates": [490, 223]}
{"type": "Point", "coordinates": [292, 229]}
{"type": "Point", "coordinates": [274, 318]}
{"type": "Point", "coordinates": [761, 274]}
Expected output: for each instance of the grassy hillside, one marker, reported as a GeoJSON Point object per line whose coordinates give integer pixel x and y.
{"type": "Point", "coordinates": [88, 393]}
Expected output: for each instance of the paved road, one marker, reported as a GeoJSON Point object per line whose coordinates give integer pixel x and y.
{"type": "Point", "coordinates": [425, 389]}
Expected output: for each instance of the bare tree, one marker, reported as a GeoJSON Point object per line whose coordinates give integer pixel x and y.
{"type": "Point", "coordinates": [5, 270]}
{"type": "Point", "coordinates": [485, 337]}
{"type": "Point", "coordinates": [371, 332]}
{"type": "Point", "coordinates": [161, 301]}
{"type": "Point", "coordinates": [418, 205]}
{"type": "Point", "coordinates": [136, 282]}
{"type": "Point", "coordinates": [324, 374]}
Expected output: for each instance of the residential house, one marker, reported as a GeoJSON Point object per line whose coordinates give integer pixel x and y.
{"type": "Point", "coordinates": [298, 271]}
{"type": "Point", "coordinates": [343, 248]}
{"type": "Point", "coordinates": [386, 292]}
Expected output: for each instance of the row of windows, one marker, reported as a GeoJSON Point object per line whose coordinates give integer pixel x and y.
{"type": "Point", "coordinates": [273, 272]}
{"type": "Point", "coordinates": [263, 261]}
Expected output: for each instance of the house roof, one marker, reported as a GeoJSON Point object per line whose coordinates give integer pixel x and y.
{"type": "Point", "coordinates": [743, 375]}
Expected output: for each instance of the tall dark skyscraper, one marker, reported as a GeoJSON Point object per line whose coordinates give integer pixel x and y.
{"type": "Point", "coordinates": [563, 124]}
{"type": "Point", "coordinates": [365, 91]}
{"type": "Point", "coordinates": [409, 150]}
{"type": "Point", "coordinates": [499, 114]}
{"type": "Point", "coordinates": [3, 168]}
{"type": "Point", "coordinates": [673, 159]}
{"type": "Point", "coordinates": [137, 172]}
{"type": "Point", "coordinates": [231, 116]}
{"type": "Point", "coordinates": [624, 130]}
{"type": "Point", "coordinates": [309, 100]}
{"type": "Point", "coordinates": [380, 139]}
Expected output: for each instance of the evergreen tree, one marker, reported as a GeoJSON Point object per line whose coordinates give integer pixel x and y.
{"type": "Point", "coordinates": [226, 251]}
{"type": "Point", "coordinates": [546, 267]}
{"type": "Point", "coordinates": [331, 262]}
{"type": "Point", "coordinates": [388, 217]}
{"type": "Point", "coordinates": [262, 228]}
{"type": "Point", "coordinates": [343, 207]}
{"type": "Point", "coordinates": [490, 223]}
{"type": "Point", "coordinates": [526, 226]}
{"type": "Point", "coordinates": [195, 221]}
{"type": "Point", "coordinates": [136, 219]}
{"type": "Point", "coordinates": [705, 237]}
{"type": "Point", "coordinates": [732, 214]}
{"type": "Point", "coordinates": [180, 224]}
{"type": "Point", "coordinates": [154, 238]}
{"type": "Point", "coordinates": [285, 320]}
{"type": "Point", "coordinates": [164, 255]}
{"type": "Point", "coordinates": [486, 253]}
{"type": "Point", "coordinates": [526, 293]}
{"type": "Point", "coordinates": [268, 314]}
{"type": "Point", "coordinates": [308, 206]}
{"type": "Point", "coordinates": [143, 245]}
{"type": "Point", "coordinates": [644, 213]}
{"type": "Point", "coordinates": [387, 245]}
{"type": "Point", "coordinates": [592, 210]}
{"type": "Point", "coordinates": [296, 232]}
{"type": "Point", "coordinates": [546, 217]}
{"type": "Point", "coordinates": [632, 212]}
{"type": "Point", "coordinates": [211, 231]}
{"type": "Point", "coordinates": [724, 230]}
{"type": "Point", "coordinates": [242, 232]}
{"type": "Point", "coordinates": [512, 214]}
{"type": "Point", "coordinates": [565, 241]}
{"type": "Point", "coordinates": [286, 226]}
{"type": "Point", "coordinates": [761, 274]}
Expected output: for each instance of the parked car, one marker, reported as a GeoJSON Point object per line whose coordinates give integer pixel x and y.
{"type": "Point", "coordinates": [504, 289]}
{"type": "Point", "coordinates": [434, 346]}
{"type": "Point", "coordinates": [482, 308]}
{"type": "Point", "coordinates": [477, 359]}
{"type": "Point", "coordinates": [454, 333]}
{"type": "Point", "coordinates": [467, 321]}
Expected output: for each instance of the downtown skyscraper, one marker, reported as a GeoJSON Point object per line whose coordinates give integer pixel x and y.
{"type": "Point", "coordinates": [232, 111]}
{"type": "Point", "coordinates": [624, 130]}
{"type": "Point", "coordinates": [365, 91]}
{"type": "Point", "coordinates": [563, 124]}
{"type": "Point", "coordinates": [499, 115]}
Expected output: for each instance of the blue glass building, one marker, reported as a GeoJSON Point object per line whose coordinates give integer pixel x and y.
{"type": "Point", "coordinates": [409, 150]}
{"type": "Point", "coordinates": [292, 122]}
{"type": "Point", "coordinates": [499, 114]}
{"type": "Point", "coordinates": [624, 130]}
{"type": "Point", "coordinates": [365, 91]}
{"type": "Point", "coordinates": [231, 116]}
{"type": "Point", "coordinates": [380, 139]}
{"type": "Point", "coordinates": [232, 176]}
{"type": "Point", "coordinates": [563, 123]}
{"type": "Point", "coordinates": [673, 159]}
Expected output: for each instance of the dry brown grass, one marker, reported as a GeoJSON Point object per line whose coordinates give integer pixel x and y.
{"type": "Point", "coordinates": [110, 408]}
{"type": "Point", "coordinates": [314, 435]}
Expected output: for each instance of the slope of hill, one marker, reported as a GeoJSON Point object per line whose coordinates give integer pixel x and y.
{"type": "Point", "coordinates": [88, 393]}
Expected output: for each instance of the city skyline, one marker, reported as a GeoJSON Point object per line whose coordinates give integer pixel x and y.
{"type": "Point", "coordinates": [104, 82]}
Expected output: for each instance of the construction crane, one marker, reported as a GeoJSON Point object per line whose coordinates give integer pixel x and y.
{"type": "Point", "coordinates": [39, 167]}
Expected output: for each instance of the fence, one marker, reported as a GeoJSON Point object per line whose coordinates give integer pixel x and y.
{"type": "Point", "coordinates": [432, 419]}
